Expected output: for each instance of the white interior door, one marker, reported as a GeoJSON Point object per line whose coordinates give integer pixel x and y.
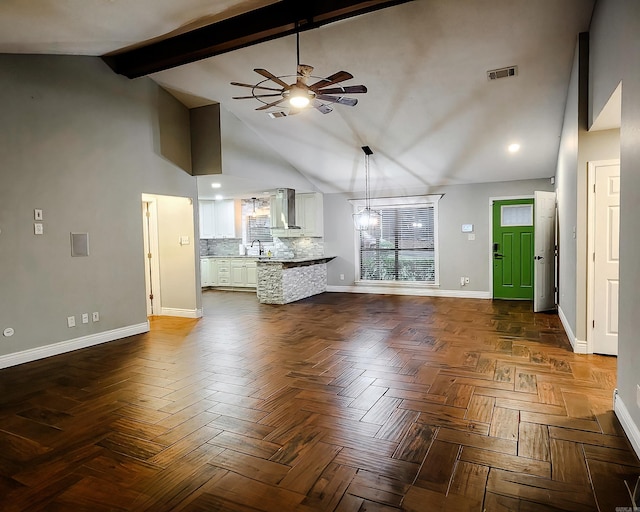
{"type": "Point", "coordinates": [544, 251]}
{"type": "Point", "coordinates": [606, 259]}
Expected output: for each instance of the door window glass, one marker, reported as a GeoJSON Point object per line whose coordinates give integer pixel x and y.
{"type": "Point", "coordinates": [516, 215]}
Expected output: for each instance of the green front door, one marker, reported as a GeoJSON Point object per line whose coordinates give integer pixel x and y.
{"type": "Point", "coordinates": [513, 249]}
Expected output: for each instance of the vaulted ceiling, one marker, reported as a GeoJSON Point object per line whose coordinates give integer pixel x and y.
{"type": "Point", "coordinates": [430, 115]}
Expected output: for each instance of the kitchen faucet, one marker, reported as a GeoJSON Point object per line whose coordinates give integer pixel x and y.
{"type": "Point", "coordinates": [260, 251]}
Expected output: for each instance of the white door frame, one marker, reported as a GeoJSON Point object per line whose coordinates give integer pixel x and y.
{"type": "Point", "coordinates": [154, 249]}
{"type": "Point", "coordinates": [491, 201]}
{"type": "Point", "coordinates": [591, 230]}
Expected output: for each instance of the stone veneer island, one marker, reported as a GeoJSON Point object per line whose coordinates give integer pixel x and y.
{"type": "Point", "coordinates": [281, 281]}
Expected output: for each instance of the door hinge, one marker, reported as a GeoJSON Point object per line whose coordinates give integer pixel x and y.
{"type": "Point", "coordinates": [594, 256]}
{"type": "Point", "coordinates": [151, 296]}
{"type": "Point", "coordinates": [147, 213]}
{"type": "Point", "coordinates": [593, 324]}
{"type": "Point", "coordinates": [594, 188]}
{"type": "Point", "coordinates": [149, 255]}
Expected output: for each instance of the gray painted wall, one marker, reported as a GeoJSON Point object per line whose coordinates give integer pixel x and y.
{"type": "Point", "coordinates": [461, 204]}
{"type": "Point", "coordinates": [566, 196]}
{"type": "Point", "coordinates": [81, 143]}
{"type": "Point", "coordinates": [578, 147]}
{"type": "Point", "coordinates": [615, 54]}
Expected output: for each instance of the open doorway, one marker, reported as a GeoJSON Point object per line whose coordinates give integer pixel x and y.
{"type": "Point", "coordinates": [171, 256]}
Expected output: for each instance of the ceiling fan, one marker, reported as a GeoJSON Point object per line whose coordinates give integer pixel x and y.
{"type": "Point", "coordinates": [300, 95]}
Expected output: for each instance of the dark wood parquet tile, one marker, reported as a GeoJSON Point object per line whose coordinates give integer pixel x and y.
{"type": "Point", "coordinates": [335, 403]}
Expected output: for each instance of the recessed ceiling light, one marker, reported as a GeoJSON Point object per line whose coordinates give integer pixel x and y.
{"type": "Point", "coordinates": [514, 148]}
{"type": "Point", "coordinates": [216, 185]}
{"type": "Point", "coordinates": [218, 197]}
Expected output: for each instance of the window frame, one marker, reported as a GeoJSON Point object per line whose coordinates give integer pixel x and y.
{"type": "Point", "coordinates": [431, 200]}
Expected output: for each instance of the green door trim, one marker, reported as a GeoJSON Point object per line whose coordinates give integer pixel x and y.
{"type": "Point", "coordinates": [512, 254]}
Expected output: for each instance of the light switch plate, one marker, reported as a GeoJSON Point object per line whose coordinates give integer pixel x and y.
{"type": "Point", "coordinates": [467, 228]}
{"type": "Point", "coordinates": [37, 214]}
{"type": "Point", "coordinates": [71, 321]}
{"type": "Point", "coordinates": [38, 228]}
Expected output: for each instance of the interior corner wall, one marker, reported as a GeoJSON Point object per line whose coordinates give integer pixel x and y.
{"type": "Point", "coordinates": [458, 256]}
{"type": "Point", "coordinates": [577, 148]}
{"type": "Point", "coordinates": [615, 54]}
{"type": "Point", "coordinates": [566, 194]}
{"type": "Point", "coordinates": [245, 155]}
{"type": "Point", "coordinates": [80, 143]}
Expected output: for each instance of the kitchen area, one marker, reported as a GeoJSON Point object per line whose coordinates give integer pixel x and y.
{"type": "Point", "coordinates": [271, 245]}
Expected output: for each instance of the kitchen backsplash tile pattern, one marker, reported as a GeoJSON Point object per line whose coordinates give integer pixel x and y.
{"type": "Point", "coordinates": [219, 246]}
{"type": "Point", "coordinates": [298, 247]}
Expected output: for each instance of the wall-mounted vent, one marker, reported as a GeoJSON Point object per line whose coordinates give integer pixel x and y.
{"type": "Point", "coordinates": [494, 74]}
{"type": "Point", "coordinates": [280, 113]}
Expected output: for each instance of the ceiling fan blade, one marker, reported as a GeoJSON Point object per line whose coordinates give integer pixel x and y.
{"type": "Point", "coordinates": [256, 96]}
{"type": "Point", "coordinates": [351, 102]}
{"type": "Point", "coordinates": [340, 76]}
{"type": "Point", "coordinates": [349, 89]}
{"type": "Point", "coordinates": [265, 107]}
{"type": "Point", "coordinates": [271, 77]}
{"type": "Point", "coordinates": [255, 86]}
{"type": "Point", "coordinates": [325, 109]}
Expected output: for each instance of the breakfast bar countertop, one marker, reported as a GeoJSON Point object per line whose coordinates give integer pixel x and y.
{"type": "Point", "coordinates": [296, 262]}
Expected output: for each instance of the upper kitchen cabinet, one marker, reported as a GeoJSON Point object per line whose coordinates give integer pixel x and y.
{"type": "Point", "coordinates": [309, 214]}
{"type": "Point", "coordinates": [218, 219]}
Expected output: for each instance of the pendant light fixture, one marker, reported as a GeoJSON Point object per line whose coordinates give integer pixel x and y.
{"type": "Point", "coordinates": [366, 218]}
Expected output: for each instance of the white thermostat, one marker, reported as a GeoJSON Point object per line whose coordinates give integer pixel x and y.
{"type": "Point", "coordinates": [467, 228]}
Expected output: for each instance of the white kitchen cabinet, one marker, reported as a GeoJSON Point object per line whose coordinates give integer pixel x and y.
{"type": "Point", "coordinates": [217, 219]}
{"type": "Point", "coordinates": [207, 219]}
{"type": "Point", "coordinates": [208, 272]}
{"type": "Point", "coordinates": [224, 272]}
{"type": "Point", "coordinates": [252, 274]}
{"type": "Point", "coordinates": [205, 276]}
{"type": "Point", "coordinates": [309, 214]}
{"type": "Point", "coordinates": [243, 273]}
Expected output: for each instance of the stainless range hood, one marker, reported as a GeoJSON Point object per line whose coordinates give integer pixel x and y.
{"type": "Point", "coordinates": [283, 213]}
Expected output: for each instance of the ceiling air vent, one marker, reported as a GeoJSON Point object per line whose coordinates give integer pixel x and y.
{"type": "Point", "coordinates": [274, 115]}
{"type": "Point", "coordinates": [494, 74]}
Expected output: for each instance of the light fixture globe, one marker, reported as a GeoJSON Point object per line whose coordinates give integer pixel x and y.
{"type": "Point", "coordinates": [366, 218]}
{"type": "Point", "coordinates": [299, 97]}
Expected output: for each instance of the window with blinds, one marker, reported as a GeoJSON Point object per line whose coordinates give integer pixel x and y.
{"type": "Point", "coordinates": [259, 228]}
{"type": "Point", "coordinates": [402, 247]}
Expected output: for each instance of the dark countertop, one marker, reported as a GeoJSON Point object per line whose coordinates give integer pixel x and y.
{"type": "Point", "coordinates": [295, 262]}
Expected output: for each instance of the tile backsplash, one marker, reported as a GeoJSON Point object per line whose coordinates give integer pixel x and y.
{"type": "Point", "coordinates": [298, 247]}
{"type": "Point", "coordinates": [220, 246]}
{"type": "Point", "coordinates": [281, 247]}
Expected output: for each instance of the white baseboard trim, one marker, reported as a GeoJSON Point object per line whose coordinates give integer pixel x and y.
{"type": "Point", "coordinates": [628, 425]}
{"type": "Point", "coordinates": [182, 313]}
{"type": "Point", "coordinates": [579, 346]}
{"type": "Point", "coordinates": [33, 354]}
{"type": "Point", "coordinates": [398, 290]}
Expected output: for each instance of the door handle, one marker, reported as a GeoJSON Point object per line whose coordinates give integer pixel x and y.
{"type": "Point", "coordinates": [497, 256]}
{"type": "Point", "coordinates": [538, 257]}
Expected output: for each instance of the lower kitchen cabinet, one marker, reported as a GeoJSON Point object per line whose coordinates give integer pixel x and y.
{"type": "Point", "coordinates": [231, 272]}
{"type": "Point", "coordinates": [243, 273]}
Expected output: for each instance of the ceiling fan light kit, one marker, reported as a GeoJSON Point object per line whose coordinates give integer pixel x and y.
{"type": "Point", "coordinates": [299, 95]}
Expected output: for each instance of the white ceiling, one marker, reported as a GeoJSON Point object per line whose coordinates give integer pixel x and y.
{"type": "Point", "coordinates": [430, 116]}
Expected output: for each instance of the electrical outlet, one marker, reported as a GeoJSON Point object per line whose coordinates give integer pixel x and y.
{"type": "Point", "coordinates": [95, 316]}
{"type": "Point", "coordinates": [85, 318]}
{"type": "Point", "coordinates": [466, 280]}
{"type": "Point", "coordinates": [71, 321]}
{"type": "Point", "coordinates": [341, 277]}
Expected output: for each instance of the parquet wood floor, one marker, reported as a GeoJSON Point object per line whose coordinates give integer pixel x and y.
{"type": "Point", "coordinates": [340, 402]}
